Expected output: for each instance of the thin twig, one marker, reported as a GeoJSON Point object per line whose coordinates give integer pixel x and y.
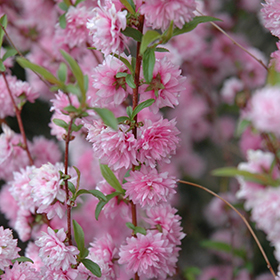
{"type": "Point", "coordinates": [240, 46]}
{"type": "Point", "coordinates": [240, 215]}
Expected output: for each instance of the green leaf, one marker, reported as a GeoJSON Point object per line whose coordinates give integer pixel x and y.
{"type": "Point", "coordinates": [140, 230]}
{"type": "Point", "coordinates": [71, 187]}
{"type": "Point", "coordinates": [107, 117]}
{"type": "Point", "coordinates": [102, 203]}
{"type": "Point", "coordinates": [122, 119]}
{"type": "Point", "coordinates": [110, 177]}
{"type": "Point", "coordinates": [133, 33]}
{"type": "Point", "coordinates": [130, 225]}
{"type": "Point", "coordinates": [128, 6]}
{"type": "Point", "coordinates": [129, 112]}
{"type": "Point", "coordinates": [78, 2]}
{"type": "Point", "coordinates": [141, 106]}
{"type": "Point", "coordinates": [273, 76]}
{"type": "Point", "coordinates": [9, 53]}
{"type": "Point", "coordinates": [40, 70]}
{"type": "Point", "coordinates": [189, 26]}
{"type": "Point", "coordinates": [22, 259]}
{"type": "Point", "coordinates": [73, 89]}
{"type": "Point", "coordinates": [77, 72]}
{"type": "Point", "coordinates": [75, 127]}
{"type": "Point", "coordinates": [190, 273]}
{"type": "Point", "coordinates": [260, 178]}
{"type": "Point", "coordinates": [95, 193]}
{"type": "Point", "coordinates": [125, 62]}
{"type": "Point", "coordinates": [61, 123]}
{"type": "Point", "coordinates": [70, 109]}
{"type": "Point", "coordinates": [63, 6]}
{"type": "Point", "coordinates": [92, 267]}
{"type": "Point", "coordinates": [79, 236]}
{"type": "Point", "coordinates": [62, 21]}
{"type": "Point", "coordinates": [86, 82]}
{"type": "Point", "coordinates": [121, 74]}
{"type": "Point", "coordinates": [129, 80]}
{"type": "Point", "coordinates": [242, 125]}
{"type": "Point", "coordinates": [149, 37]}
{"type": "Point", "coordinates": [2, 66]}
{"type": "Point", "coordinates": [62, 72]}
{"type": "Point", "coordinates": [4, 22]}
{"type": "Point", "coordinates": [167, 35]}
{"type": "Point", "coordinates": [159, 49]}
{"type": "Point", "coordinates": [149, 60]}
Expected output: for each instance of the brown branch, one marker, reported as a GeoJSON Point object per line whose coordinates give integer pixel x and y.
{"type": "Point", "coordinates": [240, 215]}
{"type": "Point", "coordinates": [19, 120]}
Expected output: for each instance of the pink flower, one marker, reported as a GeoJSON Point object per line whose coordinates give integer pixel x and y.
{"type": "Point", "coordinates": [117, 149]}
{"type": "Point", "coordinates": [148, 255]}
{"type": "Point", "coordinates": [47, 192]}
{"type": "Point", "coordinates": [110, 90]}
{"type": "Point", "coordinates": [165, 219]}
{"type": "Point", "coordinates": [271, 16]}
{"type": "Point", "coordinates": [21, 271]}
{"type": "Point", "coordinates": [147, 187]}
{"type": "Point", "coordinates": [158, 141]}
{"type": "Point", "coordinates": [159, 13]}
{"type": "Point", "coordinates": [8, 248]}
{"type": "Point", "coordinates": [230, 88]}
{"type": "Point", "coordinates": [264, 110]}
{"type": "Point", "coordinates": [165, 87]}
{"type": "Point", "coordinates": [63, 100]}
{"type": "Point", "coordinates": [106, 26]}
{"type": "Point", "coordinates": [54, 253]}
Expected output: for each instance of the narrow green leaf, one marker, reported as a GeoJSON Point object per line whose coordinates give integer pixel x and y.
{"type": "Point", "coordinates": [140, 230]}
{"type": "Point", "coordinates": [63, 6]}
{"type": "Point", "coordinates": [260, 178]}
{"type": "Point", "coordinates": [86, 82]}
{"type": "Point", "coordinates": [189, 26]}
{"type": "Point", "coordinates": [95, 193]}
{"type": "Point", "coordinates": [71, 187]}
{"type": "Point", "coordinates": [167, 35]}
{"type": "Point", "coordinates": [9, 53]}
{"type": "Point", "coordinates": [40, 70]}
{"type": "Point", "coordinates": [84, 254]}
{"type": "Point", "coordinates": [70, 109]}
{"type": "Point", "coordinates": [77, 72]}
{"type": "Point", "coordinates": [130, 225]}
{"type": "Point", "coordinates": [132, 4]}
{"type": "Point", "coordinates": [128, 6]}
{"type": "Point", "coordinates": [129, 80]}
{"type": "Point", "coordinates": [22, 259]}
{"type": "Point", "coordinates": [76, 128]}
{"type": "Point", "coordinates": [125, 62]}
{"type": "Point", "coordinates": [159, 49]}
{"type": "Point", "coordinates": [141, 106]}
{"type": "Point", "coordinates": [73, 89]}
{"type": "Point", "coordinates": [62, 72]}
{"type": "Point", "coordinates": [107, 117]}
{"type": "Point", "coordinates": [61, 123]}
{"type": "Point", "coordinates": [149, 37]}
{"type": "Point", "coordinates": [110, 177]}
{"type": "Point", "coordinates": [122, 119]}
{"type": "Point", "coordinates": [78, 2]}
{"type": "Point", "coordinates": [133, 33]}
{"type": "Point", "coordinates": [149, 60]}
{"type": "Point", "coordinates": [62, 21]}
{"type": "Point", "coordinates": [2, 66]}
{"type": "Point", "coordinates": [129, 112]}
{"type": "Point", "coordinates": [121, 74]}
{"type": "Point", "coordinates": [242, 125]}
{"type": "Point", "coordinates": [273, 76]}
{"type": "Point", "coordinates": [4, 22]}
{"type": "Point", "coordinates": [92, 267]}
{"type": "Point", "coordinates": [98, 208]}
{"type": "Point", "coordinates": [79, 236]}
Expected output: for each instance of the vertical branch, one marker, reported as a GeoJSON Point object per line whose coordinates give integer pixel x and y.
{"type": "Point", "coordinates": [66, 160]}
{"type": "Point", "coordinates": [19, 120]}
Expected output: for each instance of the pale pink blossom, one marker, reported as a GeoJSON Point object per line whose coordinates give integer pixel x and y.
{"type": "Point", "coordinates": [164, 218]}
{"type": "Point", "coordinates": [158, 141]}
{"type": "Point", "coordinates": [105, 26]}
{"type": "Point", "coordinates": [117, 149]}
{"type": "Point", "coordinates": [32, 252]}
{"type": "Point", "coordinates": [148, 187]}
{"type": "Point", "coordinates": [110, 90]}
{"type": "Point", "coordinates": [63, 100]}
{"type": "Point", "coordinates": [23, 224]}
{"type": "Point", "coordinates": [8, 248]}
{"type": "Point", "coordinates": [276, 57]}
{"type": "Point", "coordinates": [21, 271]}
{"type": "Point", "coordinates": [230, 88]}
{"type": "Point", "coordinates": [271, 16]}
{"type": "Point", "coordinates": [47, 191]}
{"type": "Point", "coordinates": [54, 253]}
{"type": "Point", "coordinates": [148, 255]}
{"type": "Point", "coordinates": [264, 110]}
{"type": "Point", "coordinates": [159, 13]}
{"type": "Point", "coordinates": [165, 87]}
